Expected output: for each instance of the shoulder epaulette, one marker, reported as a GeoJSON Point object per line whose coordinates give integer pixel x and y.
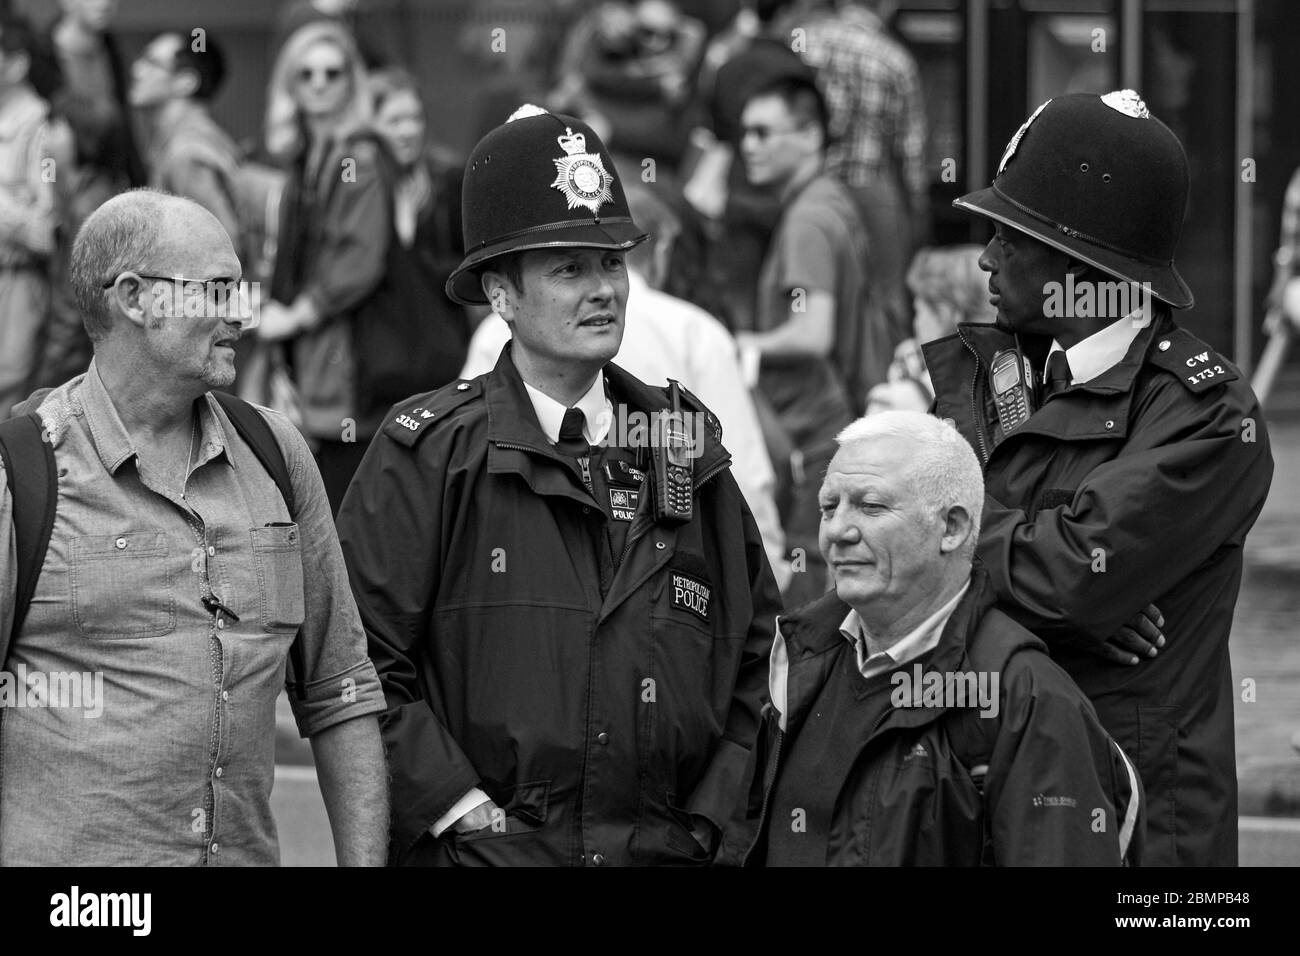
{"type": "Point", "coordinates": [415, 417]}
{"type": "Point", "coordinates": [710, 419]}
{"type": "Point", "coordinates": [1191, 361]}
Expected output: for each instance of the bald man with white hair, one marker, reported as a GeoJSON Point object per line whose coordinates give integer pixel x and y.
{"type": "Point", "coordinates": [191, 548]}
{"type": "Point", "coordinates": [911, 721]}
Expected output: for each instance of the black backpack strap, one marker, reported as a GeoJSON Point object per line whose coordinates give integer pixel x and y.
{"type": "Point", "coordinates": [34, 488]}
{"type": "Point", "coordinates": [254, 430]}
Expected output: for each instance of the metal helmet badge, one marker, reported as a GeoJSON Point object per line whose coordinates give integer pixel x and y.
{"type": "Point", "coordinates": [1015, 140]}
{"type": "Point", "coordinates": [1128, 103]}
{"type": "Point", "coordinates": [581, 175]}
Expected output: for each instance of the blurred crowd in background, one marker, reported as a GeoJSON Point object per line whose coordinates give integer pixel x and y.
{"type": "Point", "coordinates": [789, 284]}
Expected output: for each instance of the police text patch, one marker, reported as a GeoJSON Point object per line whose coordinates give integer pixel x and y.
{"type": "Point", "coordinates": [623, 503]}
{"type": "Point", "coordinates": [690, 594]}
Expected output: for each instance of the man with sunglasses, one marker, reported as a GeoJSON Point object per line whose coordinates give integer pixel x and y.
{"type": "Point", "coordinates": [173, 83]}
{"type": "Point", "coordinates": [811, 300]}
{"type": "Point", "coordinates": [142, 677]}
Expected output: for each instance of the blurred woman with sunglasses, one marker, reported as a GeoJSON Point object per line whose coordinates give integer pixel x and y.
{"type": "Point", "coordinates": [336, 221]}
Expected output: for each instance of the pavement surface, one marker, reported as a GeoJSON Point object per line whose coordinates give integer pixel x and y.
{"type": "Point", "coordinates": [1266, 627]}
{"type": "Point", "coordinates": [1265, 651]}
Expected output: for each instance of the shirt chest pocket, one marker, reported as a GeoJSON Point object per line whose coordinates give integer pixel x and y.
{"type": "Point", "coordinates": [122, 585]}
{"type": "Point", "coordinates": [277, 556]}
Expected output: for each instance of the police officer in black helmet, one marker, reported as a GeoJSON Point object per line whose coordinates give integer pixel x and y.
{"type": "Point", "coordinates": [565, 596]}
{"type": "Point", "coordinates": [1125, 460]}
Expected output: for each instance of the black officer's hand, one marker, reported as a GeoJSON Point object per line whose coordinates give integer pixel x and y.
{"type": "Point", "coordinates": [1140, 639]}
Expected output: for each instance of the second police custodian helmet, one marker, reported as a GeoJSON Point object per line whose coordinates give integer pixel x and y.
{"type": "Point", "coordinates": [540, 180]}
{"type": "Point", "coordinates": [1100, 178]}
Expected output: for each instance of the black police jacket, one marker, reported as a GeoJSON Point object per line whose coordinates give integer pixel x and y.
{"type": "Point", "coordinates": [607, 729]}
{"type": "Point", "coordinates": [1136, 487]}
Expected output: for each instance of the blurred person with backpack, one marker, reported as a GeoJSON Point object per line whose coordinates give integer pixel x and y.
{"type": "Point", "coordinates": [168, 568]}
{"type": "Point", "coordinates": [336, 224]}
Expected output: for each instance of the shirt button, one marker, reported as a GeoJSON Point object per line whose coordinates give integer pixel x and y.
{"type": "Point", "coordinates": [216, 848]}
{"type": "Point", "coordinates": [598, 859]}
{"type": "Point", "coordinates": [211, 551]}
{"type": "Point", "coordinates": [602, 738]}
{"type": "Point", "coordinates": [221, 623]}
{"type": "Point", "coordinates": [586, 510]}
{"type": "Point", "coordinates": [659, 546]}
{"type": "Point", "coordinates": [219, 771]}
{"type": "Point", "coordinates": [1164, 345]}
{"type": "Point", "coordinates": [120, 543]}
{"type": "Point", "coordinates": [225, 695]}
{"type": "Point", "coordinates": [1109, 424]}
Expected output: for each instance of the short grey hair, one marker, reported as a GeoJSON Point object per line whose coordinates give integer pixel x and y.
{"type": "Point", "coordinates": [123, 234]}
{"type": "Point", "coordinates": [943, 468]}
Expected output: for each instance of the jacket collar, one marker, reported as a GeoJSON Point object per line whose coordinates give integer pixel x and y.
{"type": "Point", "coordinates": [812, 633]}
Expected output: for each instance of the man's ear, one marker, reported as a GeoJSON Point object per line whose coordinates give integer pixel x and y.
{"type": "Point", "coordinates": [499, 292]}
{"type": "Point", "coordinates": [957, 529]}
{"type": "Point", "coordinates": [128, 296]}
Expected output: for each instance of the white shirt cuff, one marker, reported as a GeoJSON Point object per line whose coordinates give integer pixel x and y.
{"type": "Point", "coordinates": [461, 807]}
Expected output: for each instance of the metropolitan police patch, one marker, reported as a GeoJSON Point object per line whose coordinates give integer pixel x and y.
{"type": "Point", "coordinates": [581, 175]}
{"type": "Point", "coordinates": [690, 594]}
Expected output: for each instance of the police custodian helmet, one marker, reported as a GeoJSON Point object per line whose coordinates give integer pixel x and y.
{"type": "Point", "coordinates": [538, 181]}
{"type": "Point", "coordinates": [1101, 179]}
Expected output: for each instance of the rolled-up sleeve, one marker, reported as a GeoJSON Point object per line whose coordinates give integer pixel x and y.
{"type": "Point", "coordinates": [338, 680]}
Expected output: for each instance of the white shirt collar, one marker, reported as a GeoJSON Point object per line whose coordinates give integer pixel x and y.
{"type": "Point", "coordinates": [597, 412]}
{"type": "Point", "coordinates": [921, 640]}
{"type": "Point", "coordinates": [1102, 350]}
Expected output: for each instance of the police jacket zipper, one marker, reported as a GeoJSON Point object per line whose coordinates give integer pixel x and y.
{"type": "Point", "coordinates": [974, 403]}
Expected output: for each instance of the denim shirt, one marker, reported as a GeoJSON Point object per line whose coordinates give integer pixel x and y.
{"type": "Point", "coordinates": [149, 738]}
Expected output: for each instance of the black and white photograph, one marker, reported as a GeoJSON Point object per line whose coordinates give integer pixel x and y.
{"type": "Point", "coordinates": [748, 434]}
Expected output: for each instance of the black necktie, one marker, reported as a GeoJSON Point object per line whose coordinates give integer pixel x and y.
{"type": "Point", "coordinates": [1057, 375]}
{"type": "Point", "coordinates": [572, 442]}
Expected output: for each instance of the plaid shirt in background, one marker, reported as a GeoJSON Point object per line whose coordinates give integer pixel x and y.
{"type": "Point", "coordinates": [873, 93]}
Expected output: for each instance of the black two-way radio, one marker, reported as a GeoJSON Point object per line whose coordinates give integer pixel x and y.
{"type": "Point", "coordinates": [1011, 380]}
{"type": "Point", "coordinates": [673, 465]}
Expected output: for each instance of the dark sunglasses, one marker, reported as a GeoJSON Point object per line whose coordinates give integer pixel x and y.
{"type": "Point", "coordinates": [330, 74]}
